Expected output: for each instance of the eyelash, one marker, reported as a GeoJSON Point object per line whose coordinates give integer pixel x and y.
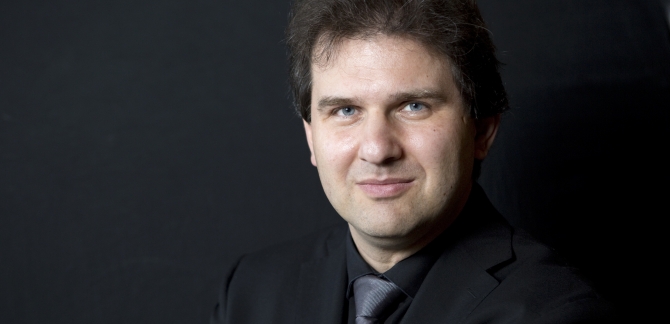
{"type": "Point", "coordinates": [337, 111]}
{"type": "Point", "coordinates": [423, 105]}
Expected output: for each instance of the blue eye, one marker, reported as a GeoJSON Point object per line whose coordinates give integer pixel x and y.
{"type": "Point", "coordinates": [346, 111]}
{"type": "Point", "coordinates": [415, 106]}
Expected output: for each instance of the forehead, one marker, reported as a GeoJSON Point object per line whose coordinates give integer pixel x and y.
{"type": "Point", "coordinates": [327, 50]}
{"type": "Point", "coordinates": [378, 65]}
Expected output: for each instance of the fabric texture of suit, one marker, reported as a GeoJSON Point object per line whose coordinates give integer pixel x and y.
{"type": "Point", "coordinates": [489, 272]}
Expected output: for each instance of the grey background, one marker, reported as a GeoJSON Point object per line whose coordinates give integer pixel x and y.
{"type": "Point", "coordinates": [146, 144]}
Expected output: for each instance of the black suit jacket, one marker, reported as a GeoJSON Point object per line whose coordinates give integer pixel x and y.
{"type": "Point", "coordinates": [488, 273]}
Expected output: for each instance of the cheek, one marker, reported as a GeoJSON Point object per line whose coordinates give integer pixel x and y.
{"type": "Point", "coordinates": [442, 150]}
{"type": "Point", "coordinates": [334, 152]}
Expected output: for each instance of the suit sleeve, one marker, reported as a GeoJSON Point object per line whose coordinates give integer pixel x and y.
{"type": "Point", "coordinates": [219, 315]}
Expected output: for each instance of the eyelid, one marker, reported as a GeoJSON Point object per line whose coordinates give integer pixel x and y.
{"type": "Point", "coordinates": [337, 110]}
{"type": "Point", "coordinates": [408, 103]}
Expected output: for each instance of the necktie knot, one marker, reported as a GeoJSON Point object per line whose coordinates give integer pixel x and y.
{"type": "Point", "coordinates": [372, 296]}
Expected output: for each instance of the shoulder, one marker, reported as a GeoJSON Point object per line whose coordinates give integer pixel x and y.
{"type": "Point", "coordinates": [256, 286]}
{"type": "Point", "coordinates": [531, 282]}
{"type": "Point", "coordinates": [285, 259]}
{"type": "Point", "coordinates": [537, 285]}
{"type": "Point", "coordinates": [316, 245]}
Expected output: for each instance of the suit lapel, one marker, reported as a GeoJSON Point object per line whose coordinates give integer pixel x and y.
{"type": "Point", "coordinates": [459, 280]}
{"type": "Point", "coordinates": [322, 289]}
{"type": "Point", "coordinates": [451, 290]}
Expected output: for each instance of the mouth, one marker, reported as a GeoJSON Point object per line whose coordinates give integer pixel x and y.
{"type": "Point", "coordinates": [385, 188]}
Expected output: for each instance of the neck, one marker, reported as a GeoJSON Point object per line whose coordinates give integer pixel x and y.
{"type": "Point", "coordinates": [382, 253]}
{"type": "Point", "coordinates": [379, 255]}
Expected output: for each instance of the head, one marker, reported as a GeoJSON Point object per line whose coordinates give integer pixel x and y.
{"type": "Point", "coordinates": [399, 98]}
{"type": "Point", "coordinates": [451, 28]}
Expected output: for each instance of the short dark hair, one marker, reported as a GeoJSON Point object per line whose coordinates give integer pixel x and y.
{"type": "Point", "coordinates": [453, 28]}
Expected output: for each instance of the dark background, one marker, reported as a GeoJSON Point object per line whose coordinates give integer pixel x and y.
{"type": "Point", "coordinates": [146, 144]}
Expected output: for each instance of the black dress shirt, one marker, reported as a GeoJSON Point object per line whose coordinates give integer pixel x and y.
{"type": "Point", "coordinates": [407, 274]}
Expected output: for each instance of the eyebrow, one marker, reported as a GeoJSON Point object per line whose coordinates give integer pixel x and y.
{"type": "Point", "coordinates": [334, 101]}
{"type": "Point", "coordinates": [423, 94]}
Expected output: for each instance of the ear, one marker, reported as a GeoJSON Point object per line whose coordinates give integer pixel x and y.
{"type": "Point", "coordinates": [486, 133]}
{"type": "Point", "coordinates": [308, 134]}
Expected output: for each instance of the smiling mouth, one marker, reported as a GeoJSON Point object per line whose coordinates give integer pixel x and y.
{"type": "Point", "coordinates": [387, 188]}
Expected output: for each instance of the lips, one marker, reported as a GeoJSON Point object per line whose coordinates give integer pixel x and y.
{"type": "Point", "coordinates": [385, 188]}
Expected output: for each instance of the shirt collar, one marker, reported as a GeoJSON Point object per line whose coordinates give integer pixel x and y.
{"type": "Point", "coordinates": [407, 274]}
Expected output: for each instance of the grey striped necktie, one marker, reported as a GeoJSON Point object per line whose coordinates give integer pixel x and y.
{"type": "Point", "coordinates": [372, 296]}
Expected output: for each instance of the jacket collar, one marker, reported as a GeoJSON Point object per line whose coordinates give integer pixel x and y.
{"type": "Point", "coordinates": [480, 242]}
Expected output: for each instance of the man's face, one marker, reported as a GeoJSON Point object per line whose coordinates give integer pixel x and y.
{"type": "Point", "coordinates": [391, 139]}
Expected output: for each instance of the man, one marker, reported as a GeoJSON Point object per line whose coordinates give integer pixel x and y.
{"type": "Point", "coordinates": [401, 101]}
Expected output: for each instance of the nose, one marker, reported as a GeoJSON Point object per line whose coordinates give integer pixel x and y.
{"type": "Point", "coordinates": [378, 142]}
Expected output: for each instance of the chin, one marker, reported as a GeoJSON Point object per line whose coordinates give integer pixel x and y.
{"type": "Point", "coordinates": [383, 231]}
{"type": "Point", "coordinates": [387, 226]}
